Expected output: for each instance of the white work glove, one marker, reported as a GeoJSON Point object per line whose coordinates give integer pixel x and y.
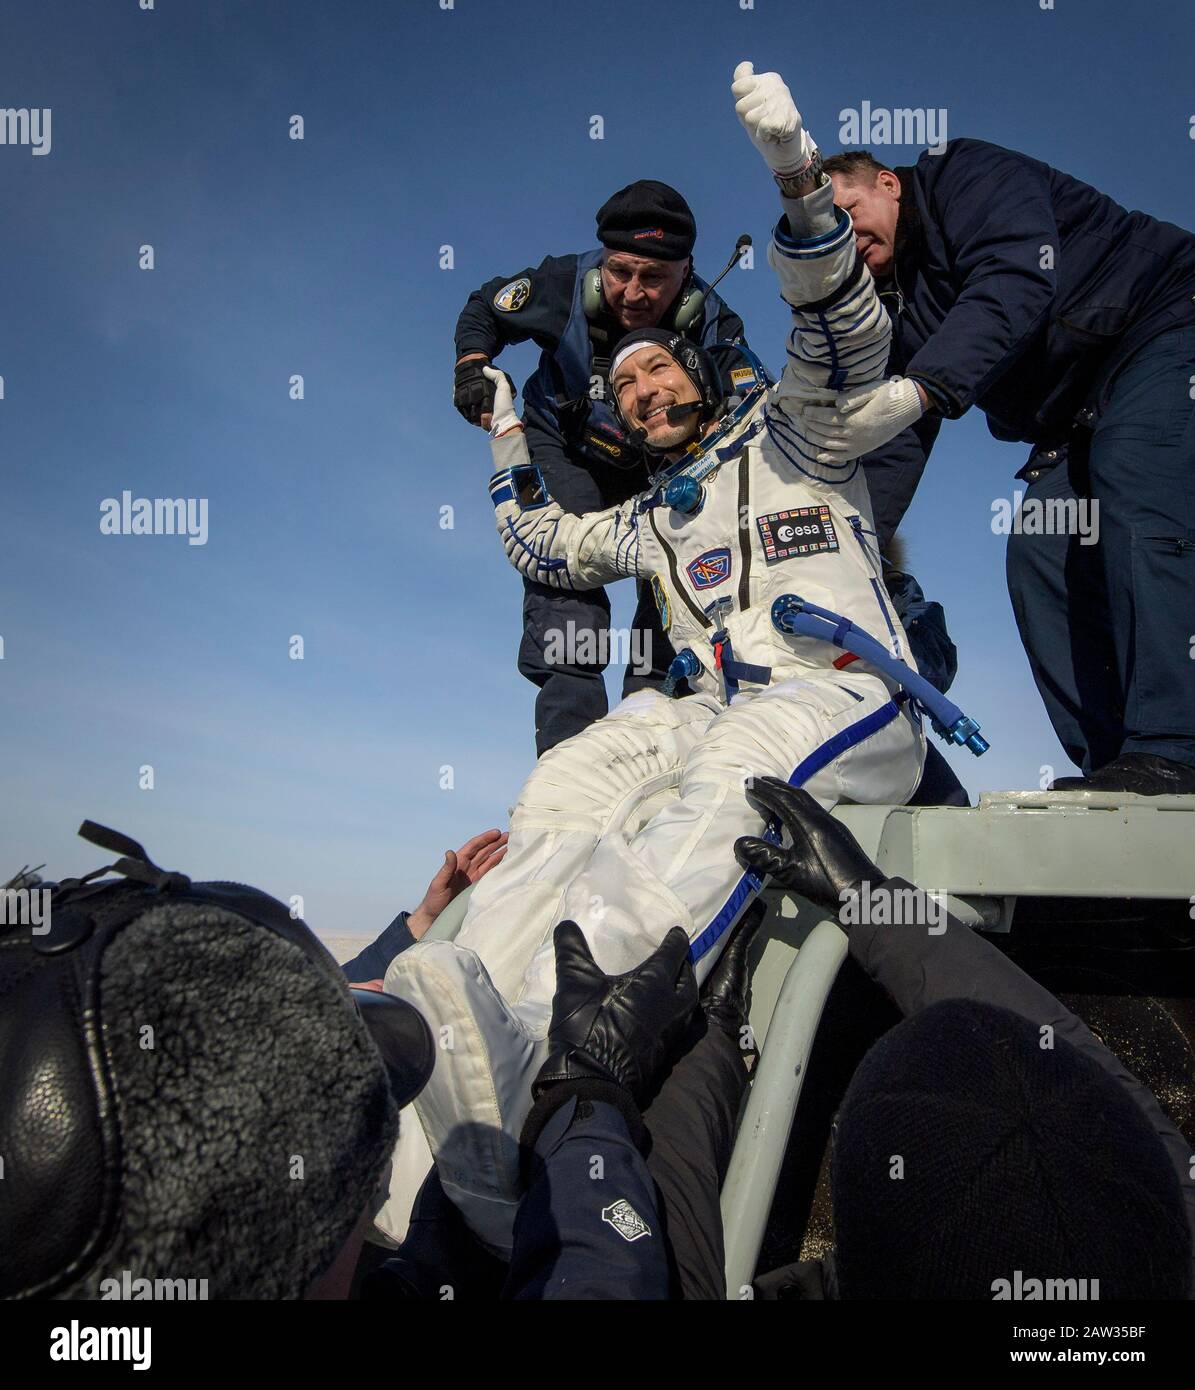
{"type": "Point", "coordinates": [862, 419]}
{"type": "Point", "coordinates": [504, 402]}
{"type": "Point", "coordinates": [769, 116]}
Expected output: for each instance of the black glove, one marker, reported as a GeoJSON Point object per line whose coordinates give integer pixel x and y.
{"type": "Point", "coordinates": [724, 997]}
{"type": "Point", "coordinates": [472, 394]}
{"type": "Point", "coordinates": [825, 858]}
{"type": "Point", "coordinates": [620, 1030]}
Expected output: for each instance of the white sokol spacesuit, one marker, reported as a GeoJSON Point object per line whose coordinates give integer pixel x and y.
{"type": "Point", "coordinates": [629, 827]}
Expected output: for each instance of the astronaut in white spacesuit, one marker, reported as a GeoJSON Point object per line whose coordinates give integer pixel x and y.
{"type": "Point", "coordinates": [628, 828]}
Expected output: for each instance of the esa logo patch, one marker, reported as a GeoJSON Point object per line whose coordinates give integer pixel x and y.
{"type": "Point", "coordinates": [513, 296]}
{"type": "Point", "coordinates": [626, 1220]}
{"type": "Point", "coordinates": [663, 607]}
{"type": "Point", "coordinates": [710, 569]}
{"type": "Point", "coordinates": [802, 531]}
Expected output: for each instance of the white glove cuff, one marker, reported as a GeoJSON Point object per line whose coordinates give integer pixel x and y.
{"type": "Point", "coordinates": [911, 406]}
{"type": "Point", "coordinates": [504, 423]}
{"type": "Point", "coordinates": [904, 407]}
{"type": "Point", "coordinates": [792, 158]}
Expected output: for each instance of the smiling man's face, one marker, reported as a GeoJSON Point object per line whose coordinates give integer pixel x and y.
{"type": "Point", "coordinates": [645, 384]}
{"type": "Point", "coordinates": [874, 208]}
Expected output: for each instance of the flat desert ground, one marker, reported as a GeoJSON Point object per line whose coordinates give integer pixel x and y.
{"type": "Point", "coordinates": [344, 947]}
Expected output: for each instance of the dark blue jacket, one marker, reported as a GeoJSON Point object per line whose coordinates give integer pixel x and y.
{"type": "Point", "coordinates": [588, 1226]}
{"type": "Point", "coordinates": [925, 626]}
{"type": "Point", "coordinates": [374, 961]}
{"type": "Point", "coordinates": [1022, 290]}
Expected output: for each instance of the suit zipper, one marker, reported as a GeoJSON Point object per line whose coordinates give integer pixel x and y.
{"type": "Point", "coordinates": [877, 588]}
{"type": "Point", "coordinates": [873, 556]}
{"type": "Point", "coordinates": [670, 555]}
{"type": "Point", "coordinates": [744, 533]}
{"type": "Point", "coordinates": [1180, 545]}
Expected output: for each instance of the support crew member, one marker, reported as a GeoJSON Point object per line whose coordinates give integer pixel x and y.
{"type": "Point", "coordinates": [576, 307]}
{"type": "Point", "coordinates": [1071, 323]}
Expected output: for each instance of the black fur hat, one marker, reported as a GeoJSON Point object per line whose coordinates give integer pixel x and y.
{"type": "Point", "coordinates": [187, 1090]}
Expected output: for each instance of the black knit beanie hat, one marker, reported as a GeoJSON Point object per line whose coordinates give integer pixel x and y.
{"type": "Point", "coordinates": [967, 1152]}
{"type": "Point", "coordinates": [649, 219]}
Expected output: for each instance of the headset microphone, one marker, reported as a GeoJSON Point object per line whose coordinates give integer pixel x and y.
{"type": "Point", "coordinates": [674, 415]}
{"type": "Point", "coordinates": [739, 247]}
{"type": "Point", "coordinates": [692, 304]}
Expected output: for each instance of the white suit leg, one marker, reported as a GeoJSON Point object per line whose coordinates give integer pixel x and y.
{"type": "Point", "coordinates": [488, 1010]}
{"type": "Point", "coordinates": [839, 735]}
{"type": "Point", "coordinates": [623, 768]}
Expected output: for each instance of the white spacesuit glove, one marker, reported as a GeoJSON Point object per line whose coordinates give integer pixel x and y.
{"type": "Point", "coordinates": [770, 117]}
{"type": "Point", "coordinates": [533, 529]}
{"type": "Point", "coordinates": [504, 402]}
{"type": "Point", "coordinates": [862, 419]}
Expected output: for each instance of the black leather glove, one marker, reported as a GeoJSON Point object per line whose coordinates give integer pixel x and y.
{"type": "Point", "coordinates": [472, 394]}
{"type": "Point", "coordinates": [724, 997]}
{"type": "Point", "coordinates": [824, 859]}
{"type": "Point", "coordinates": [616, 1029]}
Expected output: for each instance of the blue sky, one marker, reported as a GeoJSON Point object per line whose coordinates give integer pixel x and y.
{"type": "Point", "coordinates": [423, 127]}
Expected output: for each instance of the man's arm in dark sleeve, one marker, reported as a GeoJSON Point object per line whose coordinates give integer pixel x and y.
{"type": "Point", "coordinates": [484, 327]}
{"type": "Point", "coordinates": [373, 962]}
{"type": "Point", "coordinates": [917, 969]}
{"type": "Point", "coordinates": [588, 1226]}
{"type": "Point", "coordinates": [994, 212]}
{"type": "Point", "coordinates": [894, 471]}
{"type": "Point", "coordinates": [549, 453]}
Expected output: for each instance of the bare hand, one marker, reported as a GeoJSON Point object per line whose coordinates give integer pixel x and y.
{"type": "Point", "coordinates": [462, 867]}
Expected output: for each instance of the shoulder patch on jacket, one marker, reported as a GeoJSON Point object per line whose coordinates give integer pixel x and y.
{"type": "Point", "coordinates": [711, 568]}
{"type": "Point", "coordinates": [625, 1220]}
{"type": "Point", "coordinates": [512, 297]}
{"type": "Point", "coordinates": [663, 607]}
